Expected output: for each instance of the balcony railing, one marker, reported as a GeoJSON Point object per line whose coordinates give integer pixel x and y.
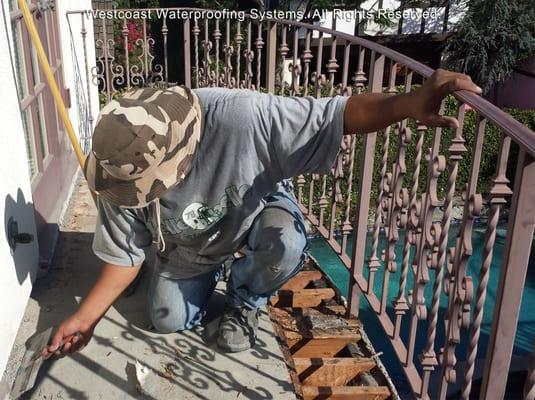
{"type": "Point", "coordinates": [405, 213]}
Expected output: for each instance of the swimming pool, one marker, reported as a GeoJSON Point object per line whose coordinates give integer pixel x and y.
{"type": "Point", "coordinates": [330, 264]}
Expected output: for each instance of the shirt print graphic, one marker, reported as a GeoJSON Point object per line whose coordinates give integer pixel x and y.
{"type": "Point", "coordinates": [199, 217]}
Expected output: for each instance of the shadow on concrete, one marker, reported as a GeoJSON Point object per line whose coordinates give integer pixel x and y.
{"type": "Point", "coordinates": [181, 365]}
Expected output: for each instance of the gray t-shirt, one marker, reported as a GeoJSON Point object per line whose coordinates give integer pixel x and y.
{"type": "Point", "coordinates": [251, 142]}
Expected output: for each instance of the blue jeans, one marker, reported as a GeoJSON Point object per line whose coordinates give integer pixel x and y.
{"type": "Point", "coordinates": [274, 252]}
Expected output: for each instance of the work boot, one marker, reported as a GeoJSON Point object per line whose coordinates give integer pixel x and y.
{"type": "Point", "coordinates": [237, 329]}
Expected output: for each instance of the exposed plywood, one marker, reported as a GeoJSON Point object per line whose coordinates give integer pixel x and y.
{"type": "Point", "coordinates": [331, 371]}
{"type": "Point", "coordinates": [301, 280]}
{"type": "Point", "coordinates": [300, 298]}
{"type": "Point", "coordinates": [325, 347]}
{"type": "Point", "coordinates": [346, 393]}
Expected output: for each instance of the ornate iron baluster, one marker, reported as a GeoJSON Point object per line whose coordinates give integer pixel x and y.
{"type": "Point", "coordinates": [259, 44]}
{"type": "Point", "coordinates": [397, 215]}
{"type": "Point", "coordinates": [499, 193]}
{"type": "Point", "coordinates": [429, 233]}
{"type": "Point", "coordinates": [165, 31]}
{"type": "Point", "coordinates": [457, 149]}
{"type": "Point", "coordinates": [458, 284]}
{"type": "Point", "coordinates": [283, 50]}
{"type": "Point", "coordinates": [359, 79]}
{"type": "Point", "coordinates": [249, 57]}
{"type": "Point", "coordinates": [228, 50]}
{"type": "Point", "coordinates": [347, 227]}
{"type": "Point", "coordinates": [411, 233]}
{"type": "Point", "coordinates": [196, 31]}
{"type": "Point", "coordinates": [295, 68]}
{"type": "Point", "coordinates": [332, 66]}
{"type": "Point", "coordinates": [126, 52]}
{"type": "Point", "coordinates": [307, 58]}
{"type": "Point", "coordinates": [239, 40]}
{"type": "Point", "coordinates": [342, 88]}
{"type": "Point", "coordinates": [317, 77]}
{"type": "Point", "coordinates": [217, 37]}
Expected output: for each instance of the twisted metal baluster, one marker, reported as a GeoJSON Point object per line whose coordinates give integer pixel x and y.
{"type": "Point", "coordinates": [295, 68]}
{"type": "Point", "coordinates": [459, 286]}
{"type": "Point", "coordinates": [400, 303]}
{"type": "Point", "coordinates": [359, 79]}
{"type": "Point", "coordinates": [347, 227]}
{"type": "Point", "coordinates": [425, 240]}
{"type": "Point", "coordinates": [196, 31]}
{"type": "Point", "coordinates": [217, 37]}
{"type": "Point", "coordinates": [457, 149]}
{"type": "Point", "coordinates": [259, 44]}
{"type": "Point", "coordinates": [313, 178]}
{"type": "Point", "coordinates": [165, 31]}
{"type": "Point", "coordinates": [336, 196]}
{"type": "Point", "coordinates": [498, 197]}
{"type": "Point", "coordinates": [238, 39]}
{"type": "Point", "coordinates": [249, 57]}
{"type": "Point", "coordinates": [283, 50]}
{"type": "Point", "coordinates": [228, 50]}
{"type": "Point", "coordinates": [307, 58]}
{"type": "Point", "coordinates": [332, 66]}
{"type": "Point", "coordinates": [126, 55]}
{"type": "Point", "coordinates": [317, 77]}
{"type": "Point", "coordinates": [342, 88]}
{"type": "Point", "coordinates": [397, 213]}
{"type": "Point", "coordinates": [323, 202]}
{"type": "Point", "coordinates": [382, 205]}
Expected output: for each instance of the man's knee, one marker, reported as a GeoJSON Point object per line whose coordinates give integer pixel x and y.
{"type": "Point", "coordinates": [164, 322]}
{"type": "Point", "coordinates": [281, 250]}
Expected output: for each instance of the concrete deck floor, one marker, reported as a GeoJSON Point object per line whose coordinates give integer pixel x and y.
{"type": "Point", "coordinates": [181, 365]}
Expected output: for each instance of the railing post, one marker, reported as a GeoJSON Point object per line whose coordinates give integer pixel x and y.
{"type": "Point", "coordinates": [187, 55]}
{"type": "Point", "coordinates": [512, 279]}
{"type": "Point", "coordinates": [364, 186]}
{"type": "Point", "coordinates": [271, 57]}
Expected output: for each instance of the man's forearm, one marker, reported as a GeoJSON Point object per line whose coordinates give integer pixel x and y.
{"type": "Point", "coordinates": [113, 280]}
{"type": "Point", "coordinates": [370, 112]}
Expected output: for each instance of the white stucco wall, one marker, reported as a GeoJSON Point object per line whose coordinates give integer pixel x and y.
{"type": "Point", "coordinates": [17, 268]}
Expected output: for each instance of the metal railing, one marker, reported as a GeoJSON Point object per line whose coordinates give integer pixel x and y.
{"type": "Point", "coordinates": [404, 212]}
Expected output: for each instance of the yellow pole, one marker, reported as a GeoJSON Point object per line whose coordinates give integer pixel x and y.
{"type": "Point", "coordinates": [45, 65]}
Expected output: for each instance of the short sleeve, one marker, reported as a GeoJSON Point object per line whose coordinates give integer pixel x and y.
{"type": "Point", "coordinates": [121, 236]}
{"type": "Point", "coordinates": [305, 133]}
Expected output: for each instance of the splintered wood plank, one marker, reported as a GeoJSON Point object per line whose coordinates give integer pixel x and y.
{"type": "Point", "coordinates": [301, 298]}
{"type": "Point", "coordinates": [301, 280]}
{"type": "Point", "coordinates": [345, 392]}
{"type": "Point", "coordinates": [317, 348]}
{"type": "Point", "coordinates": [330, 371]}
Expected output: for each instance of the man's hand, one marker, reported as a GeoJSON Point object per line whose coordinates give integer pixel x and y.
{"type": "Point", "coordinates": [72, 335]}
{"type": "Point", "coordinates": [76, 331]}
{"type": "Point", "coordinates": [370, 112]}
{"type": "Point", "coordinates": [425, 102]}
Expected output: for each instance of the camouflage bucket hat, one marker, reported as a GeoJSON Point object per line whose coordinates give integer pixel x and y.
{"type": "Point", "coordinates": [144, 144]}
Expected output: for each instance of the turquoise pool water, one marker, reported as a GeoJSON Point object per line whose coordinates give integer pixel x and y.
{"type": "Point", "coordinates": [331, 265]}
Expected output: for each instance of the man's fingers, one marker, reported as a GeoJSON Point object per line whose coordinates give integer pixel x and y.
{"type": "Point", "coordinates": [56, 340]}
{"type": "Point", "coordinates": [442, 121]}
{"type": "Point", "coordinates": [456, 83]}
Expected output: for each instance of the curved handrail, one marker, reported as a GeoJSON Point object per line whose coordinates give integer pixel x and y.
{"type": "Point", "coordinates": [508, 125]}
